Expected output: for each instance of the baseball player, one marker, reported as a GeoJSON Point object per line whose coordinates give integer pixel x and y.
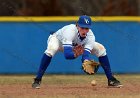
{"type": "Point", "coordinates": [75, 40]}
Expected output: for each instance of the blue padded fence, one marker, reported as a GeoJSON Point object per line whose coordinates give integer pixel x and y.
{"type": "Point", "coordinates": [22, 45]}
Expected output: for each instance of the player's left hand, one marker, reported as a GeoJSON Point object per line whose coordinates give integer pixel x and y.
{"type": "Point", "coordinates": [78, 50]}
{"type": "Point", "coordinates": [90, 66]}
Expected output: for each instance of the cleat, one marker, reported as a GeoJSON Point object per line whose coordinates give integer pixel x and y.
{"type": "Point", "coordinates": [114, 83]}
{"type": "Point", "coordinates": [36, 83]}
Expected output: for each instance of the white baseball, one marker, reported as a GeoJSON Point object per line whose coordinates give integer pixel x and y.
{"type": "Point", "coordinates": [93, 82]}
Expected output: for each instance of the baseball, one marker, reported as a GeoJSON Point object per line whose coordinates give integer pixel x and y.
{"type": "Point", "coordinates": [93, 82]}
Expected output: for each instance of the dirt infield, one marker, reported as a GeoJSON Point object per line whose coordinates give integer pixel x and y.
{"type": "Point", "coordinates": [71, 86]}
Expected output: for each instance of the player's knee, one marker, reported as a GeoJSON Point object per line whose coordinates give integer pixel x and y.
{"type": "Point", "coordinates": [52, 49]}
{"type": "Point", "coordinates": [102, 51]}
{"type": "Point", "coordinates": [50, 53]}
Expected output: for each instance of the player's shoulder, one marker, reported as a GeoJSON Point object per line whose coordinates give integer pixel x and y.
{"type": "Point", "coordinates": [70, 26]}
{"type": "Point", "coordinates": [90, 35]}
{"type": "Point", "coordinates": [68, 30]}
{"type": "Point", "coordinates": [90, 32]}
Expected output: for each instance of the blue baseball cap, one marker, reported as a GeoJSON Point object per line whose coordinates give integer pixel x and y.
{"type": "Point", "coordinates": [84, 21]}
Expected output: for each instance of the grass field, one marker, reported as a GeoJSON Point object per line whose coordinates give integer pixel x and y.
{"type": "Point", "coordinates": [68, 86]}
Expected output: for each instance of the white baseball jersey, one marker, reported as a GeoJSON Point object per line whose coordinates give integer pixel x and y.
{"type": "Point", "coordinates": [69, 35]}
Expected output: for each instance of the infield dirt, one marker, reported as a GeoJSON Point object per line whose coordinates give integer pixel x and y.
{"type": "Point", "coordinates": [68, 86]}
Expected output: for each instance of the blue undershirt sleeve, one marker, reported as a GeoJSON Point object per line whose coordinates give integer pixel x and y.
{"type": "Point", "coordinates": [85, 55]}
{"type": "Point", "coordinates": [68, 52]}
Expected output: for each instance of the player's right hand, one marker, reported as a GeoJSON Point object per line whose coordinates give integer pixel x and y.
{"type": "Point", "coordinates": [78, 50]}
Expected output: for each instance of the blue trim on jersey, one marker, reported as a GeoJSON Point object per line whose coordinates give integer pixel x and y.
{"type": "Point", "coordinates": [81, 38]}
{"type": "Point", "coordinates": [88, 50]}
{"type": "Point", "coordinates": [85, 55]}
{"type": "Point", "coordinates": [67, 45]}
{"type": "Point", "coordinates": [68, 52]}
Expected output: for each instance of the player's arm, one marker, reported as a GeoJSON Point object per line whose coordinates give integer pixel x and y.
{"type": "Point", "coordinates": [68, 36]}
{"type": "Point", "coordinates": [86, 54]}
{"type": "Point", "coordinates": [90, 42]}
{"type": "Point", "coordinates": [68, 52]}
{"type": "Point", "coordinates": [72, 52]}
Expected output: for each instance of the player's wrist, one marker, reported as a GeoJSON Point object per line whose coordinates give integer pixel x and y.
{"type": "Point", "coordinates": [75, 55]}
{"type": "Point", "coordinates": [86, 60]}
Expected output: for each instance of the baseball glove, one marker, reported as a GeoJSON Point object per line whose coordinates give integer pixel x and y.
{"type": "Point", "coordinates": [78, 50]}
{"type": "Point", "coordinates": [90, 66]}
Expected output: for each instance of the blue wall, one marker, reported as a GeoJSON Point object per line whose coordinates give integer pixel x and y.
{"type": "Point", "coordinates": [22, 45]}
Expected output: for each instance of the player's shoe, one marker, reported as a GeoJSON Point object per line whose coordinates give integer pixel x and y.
{"type": "Point", "coordinates": [114, 83]}
{"type": "Point", "coordinates": [36, 83]}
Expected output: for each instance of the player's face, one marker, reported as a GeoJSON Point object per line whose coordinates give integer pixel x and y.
{"type": "Point", "coordinates": [83, 31]}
